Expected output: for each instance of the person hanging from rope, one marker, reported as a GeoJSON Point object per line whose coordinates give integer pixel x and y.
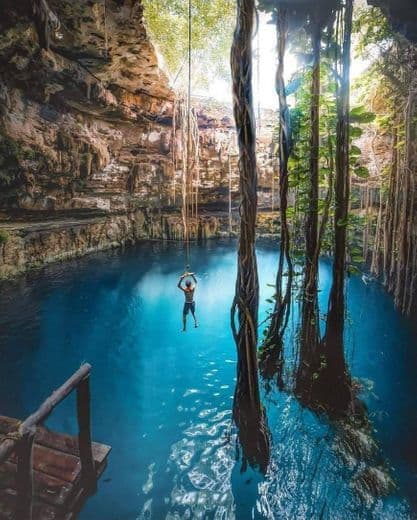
{"type": "Point", "coordinates": [189, 304]}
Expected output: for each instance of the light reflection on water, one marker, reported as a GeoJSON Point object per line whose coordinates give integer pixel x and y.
{"type": "Point", "coordinates": [163, 398]}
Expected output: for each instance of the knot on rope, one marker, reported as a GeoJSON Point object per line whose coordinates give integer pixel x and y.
{"type": "Point", "coordinates": [15, 435]}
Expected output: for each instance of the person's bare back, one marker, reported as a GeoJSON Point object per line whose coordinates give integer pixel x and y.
{"type": "Point", "coordinates": [189, 304]}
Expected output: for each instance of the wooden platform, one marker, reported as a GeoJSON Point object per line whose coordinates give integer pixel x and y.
{"type": "Point", "coordinates": [57, 488]}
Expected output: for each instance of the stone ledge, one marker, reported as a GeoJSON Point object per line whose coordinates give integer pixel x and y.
{"type": "Point", "coordinates": [37, 243]}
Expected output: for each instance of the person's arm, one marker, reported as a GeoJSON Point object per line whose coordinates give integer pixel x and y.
{"type": "Point", "coordinates": [195, 280]}
{"type": "Point", "coordinates": [180, 282]}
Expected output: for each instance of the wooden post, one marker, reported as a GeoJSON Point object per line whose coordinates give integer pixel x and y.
{"type": "Point", "coordinates": [88, 472]}
{"type": "Point", "coordinates": [24, 478]}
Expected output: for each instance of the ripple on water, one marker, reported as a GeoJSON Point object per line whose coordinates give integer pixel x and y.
{"type": "Point", "coordinates": [148, 486]}
{"type": "Point", "coordinates": [203, 467]}
{"type": "Point", "coordinates": [191, 391]}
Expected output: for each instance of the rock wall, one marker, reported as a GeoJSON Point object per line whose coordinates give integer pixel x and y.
{"type": "Point", "coordinates": [33, 245]}
{"type": "Point", "coordinates": [87, 115]}
{"type": "Point", "coordinates": [26, 245]}
{"type": "Point", "coordinates": [91, 141]}
{"type": "Point", "coordinates": [218, 157]}
{"type": "Point", "coordinates": [83, 110]}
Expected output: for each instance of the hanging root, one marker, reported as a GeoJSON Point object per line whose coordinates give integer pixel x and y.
{"type": "Point", "coordinates": [271, 356]}
{"type": "Point", "coordinates": [329, 386]}
{"type": "Point", "coordinates": [190, 152]}
{"type": "Point", "coordinates": [247, 409]}
{"type": "Point", "coordinates": [309, 328]}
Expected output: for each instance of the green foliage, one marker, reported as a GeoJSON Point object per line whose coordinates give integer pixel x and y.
{"type": "Point", "coordinates": [212, 31]}
{"type": "Point", "coordinates": [299, 164]}
{"type": "Point", "coordinates": [361, 171]}
{"type": "Point", "coordinates": [4, 236]}
{"type": "Point", "coordinates": [360, 115]}
{"type": "Point", "coordinates": [355, 132]}
{"type": "Point", "coordinates": [372, 29]}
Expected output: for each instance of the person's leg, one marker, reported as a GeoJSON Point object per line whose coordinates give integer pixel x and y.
{"type": "Point", "coordinates": [184, 317]}
{"type": "Point", "coordinates": [193, 313]}
{"type": "Point", "coordinates": [184, 321]}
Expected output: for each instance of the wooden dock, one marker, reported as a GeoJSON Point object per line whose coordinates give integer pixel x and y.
{"type": "Point", "coordinates": [55, 481]}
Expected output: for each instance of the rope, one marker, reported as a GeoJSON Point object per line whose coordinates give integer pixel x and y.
{"type": "Point", "coordinates": [187, 181]}
{"type": "Point", "coordinates": [190, 181]}
{"type": "Point", "coordinates": [14, 435]}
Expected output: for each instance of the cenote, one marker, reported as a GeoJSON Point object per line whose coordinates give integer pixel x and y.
{"type": "Point", "coordinates": [162, 398]}
{"type": "Point", "coordinates": [253, 162]}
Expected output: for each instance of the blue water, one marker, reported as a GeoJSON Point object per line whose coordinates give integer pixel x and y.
{"type": "Point", "coordinates": [162, 398]}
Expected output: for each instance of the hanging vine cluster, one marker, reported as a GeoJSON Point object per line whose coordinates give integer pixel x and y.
{"type": "Point", "coordinates": [186, 155]}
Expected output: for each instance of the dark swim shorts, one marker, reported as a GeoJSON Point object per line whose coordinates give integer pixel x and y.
{"type": "Point", "coordinates": [189, 306]}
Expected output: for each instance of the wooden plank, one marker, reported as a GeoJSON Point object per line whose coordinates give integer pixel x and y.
{"type": "Point", "coordinates": [50, 489]}
{"type": "Point", "coordinates": [47, 473]}
{"type": "Point", "coordinates": [55, 440]}
{"type": "Point", "coordinates": [81, 495]}
{"type": "Point", "coordinates": [69, 444]}
{"type": "Point", "coordinates": [41, 510]}
{"type": "Point", "coordinates": [58, 493]}
{"type": "Point", "coordinates": [55, 463]}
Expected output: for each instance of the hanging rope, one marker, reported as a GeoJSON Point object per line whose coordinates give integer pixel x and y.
{"type": "Point", "coordinates": [197, 182]}
{"type": "Point", "coordinates": [186, 176]}
{"type": "Point", "coordinates": [190, 150]}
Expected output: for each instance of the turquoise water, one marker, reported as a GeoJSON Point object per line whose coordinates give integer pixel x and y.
{"type": "Point", "coordinates": [162, 398]}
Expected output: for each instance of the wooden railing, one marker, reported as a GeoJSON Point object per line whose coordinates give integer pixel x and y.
{"type": "Point", "coordinates": [21, 441]}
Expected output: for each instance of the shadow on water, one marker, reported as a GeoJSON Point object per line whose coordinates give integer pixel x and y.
{"type": "Point", "coordinates": [163, 399]}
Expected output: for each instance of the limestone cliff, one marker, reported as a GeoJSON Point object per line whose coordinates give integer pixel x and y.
{"type": "Point", "coordinates": [91, 138]}
{"type": "Point", "coordinates": [87, 115]}
{"type": "Point", "coordinates": [80, 107]}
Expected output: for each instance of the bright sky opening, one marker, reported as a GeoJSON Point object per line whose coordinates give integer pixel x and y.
{"type": "Point", "coordinates": [264, 46]}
